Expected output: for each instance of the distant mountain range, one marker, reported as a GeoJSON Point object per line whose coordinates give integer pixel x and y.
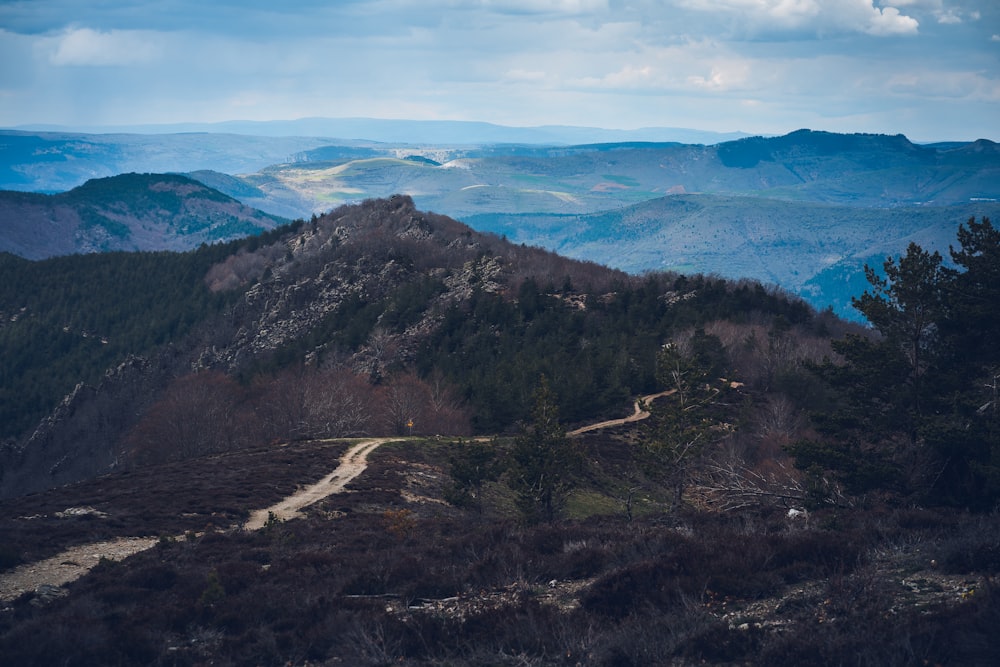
{"type": "Point", "coordinates": [815, 250]}
{"type": "Point", "coordinates": [386, 130]}
{"type": "Point", "coordinates": [803, 211]}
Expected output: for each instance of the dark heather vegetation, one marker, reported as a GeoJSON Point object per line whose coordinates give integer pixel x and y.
{"type": "Point", "coordinates": [804, 491]}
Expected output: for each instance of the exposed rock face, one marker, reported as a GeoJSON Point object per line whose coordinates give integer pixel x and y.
{"type": "Point", "coordinates": [359, 254]}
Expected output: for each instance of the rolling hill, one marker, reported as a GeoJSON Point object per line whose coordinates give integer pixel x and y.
{"type": "Point", "coordinates": [804, 211]}
{"type": "Point", "coordinates": [855, 170]}
{"type": "Point", "coordinates": [375, 289]}
{"type": "Point", "coordinates": [125, 212]}
{"type": "Point", "coordinates": [775, 507]}
{"type": "Point", "coordinates": [815, 250]}
{"type": "Point", "coordinates": [380, 330]}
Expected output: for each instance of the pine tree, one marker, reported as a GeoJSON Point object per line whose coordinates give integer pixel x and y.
{"type": "Point", "coordinates": [917, 410]}
{"type": "Point", "coordinates": [681, 425]}
{"type": "Point", "coordinates": [544, 460]}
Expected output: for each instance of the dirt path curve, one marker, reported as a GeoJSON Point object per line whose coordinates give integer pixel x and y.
{"type": "Point", "coordinates": [352, 463]}
{"type": "Point", "coordinates": [77, 561]}
{"type": "Point", "coordinates": [637, 415]}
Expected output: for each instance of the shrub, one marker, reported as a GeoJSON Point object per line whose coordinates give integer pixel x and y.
{"type": "Point", "coordinates": [9, 557]}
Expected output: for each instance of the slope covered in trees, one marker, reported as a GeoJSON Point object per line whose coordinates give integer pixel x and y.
{"type": "Point", "coordinates": [67, 320]}
{"type": "Point", "coordinates": [377, 295]}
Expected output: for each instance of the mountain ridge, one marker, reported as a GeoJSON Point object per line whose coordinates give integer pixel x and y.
{"type": "Point", "coordinates": [388, 130]}
{"type": "Point", "coordinates": [375, 289]}
{"type": "Point", "coordinates": [125, 212]}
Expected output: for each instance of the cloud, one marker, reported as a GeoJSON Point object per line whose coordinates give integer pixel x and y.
{"type": "Point", "coordinates": [948, 17]}
{"type": "Point", "coordinates": [87, 47]}
{"type": "Point", "coordinates": [963, 86]}
{"type": "Point", "coordinates": [720, 79]}
{"type": "Point", "coordinates": [517, 74]}
{"type": "Point", "coordinates": [817, 16]}
{"type": "Point", "coordinates": [755, 65]}
{"type": "Point", "coordinates": [889, 21]}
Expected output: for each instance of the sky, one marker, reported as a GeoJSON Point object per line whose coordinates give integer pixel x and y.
{"type": "Point", "coordinates": [929, 69]}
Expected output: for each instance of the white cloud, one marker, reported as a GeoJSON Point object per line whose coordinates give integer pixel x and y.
{"type": "Point", "coordinates": [960, 86]}
{"type": "Point", "coordinates": [87, 47]}
{"type": "Point", "coordinates": [820, 16]}
{"type": "Point", "coordinates": [889, 21]}
{"type": "Point", "coordinates": [724, 76]}
{"type": "Point", "coordinates": [755, 65]}
{"type": "Point", "coordinates": [629, 76]}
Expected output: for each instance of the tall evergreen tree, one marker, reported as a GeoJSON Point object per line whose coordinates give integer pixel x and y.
{"type": "Point", "coordinates": [681, 425]}
{"type": "Point", "coordinates": [967, 434]}
{"type": "Point", "coordinates": [906, 307]}
{"type": "Point", "coordinates": [544, 460]}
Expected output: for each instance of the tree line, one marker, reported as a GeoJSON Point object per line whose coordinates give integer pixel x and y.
{"type": "Point", "coordinates": [916, 412]}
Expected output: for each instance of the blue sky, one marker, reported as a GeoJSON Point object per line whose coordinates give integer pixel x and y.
{"type": "Point", "coordinates": [929, 69]}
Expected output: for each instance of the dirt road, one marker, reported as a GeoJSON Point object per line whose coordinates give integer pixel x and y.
{"type": "Point", "coordinates": [74, 563]}
{"type": "Point", "coordinates": [352, 463]}
{"type": "Point", "coordinates": [637, 415]}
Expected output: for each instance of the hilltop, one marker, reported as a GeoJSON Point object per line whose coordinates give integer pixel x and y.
{"type": "Point", "coordinates": [125, 212]}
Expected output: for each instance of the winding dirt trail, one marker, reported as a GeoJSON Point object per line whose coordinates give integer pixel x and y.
{"type": "Point", "coordinates": [77, 561]}
{"type": "Point", "coordinates": [637, 415]}
{"type": "Point", "coordinates": [352, 463]}
{"type": "Point", "coordinates": [68, 566]}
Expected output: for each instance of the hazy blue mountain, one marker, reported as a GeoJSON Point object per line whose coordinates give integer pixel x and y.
{"type": "Point", "coordinates": [857, 170]}
{"type": "Point", "coordinates": [804, 211]}
{"type": "Point", "coordinates": [385, 130]}
{"type": "Point", "coordinates": [126, 212]}
{"type": "Point", "coordinates": [816, 250]}
{"type": "Point", "coordinates": [57, 161]}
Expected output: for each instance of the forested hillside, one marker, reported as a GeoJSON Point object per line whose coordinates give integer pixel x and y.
{"type": "Point", "coordinates": [67, 320]}
{"type": "Point", "coordinates": [384, 298]}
